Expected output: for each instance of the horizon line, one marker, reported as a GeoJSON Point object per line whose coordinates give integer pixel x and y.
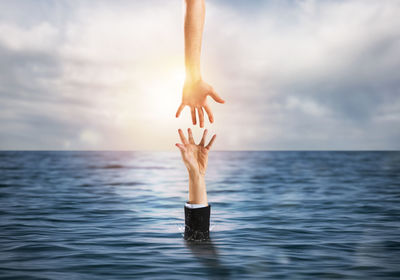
{"type": "Point", "coordinates": [274, 150]}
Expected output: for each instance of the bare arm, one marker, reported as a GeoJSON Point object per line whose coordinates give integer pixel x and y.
{"type": "Point", "coordinates": [197, 189]}
{"type": "Point", "coordinates": [194, 24]}
{"type": "Point", "coordinates": [195, 90]}
{"type": "Point", "coordinates": [195, 158]}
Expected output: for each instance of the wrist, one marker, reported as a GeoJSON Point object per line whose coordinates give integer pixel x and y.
{"type": "Point", "coordinates": [196, 175]}
{"type": "Point", "coordinates": [197, 189]}
{"type": "Point", "coordinates": [192, 77]}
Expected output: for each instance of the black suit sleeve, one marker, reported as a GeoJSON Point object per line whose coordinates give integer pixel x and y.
{"type": "Point", "coordinates": [197, 223]}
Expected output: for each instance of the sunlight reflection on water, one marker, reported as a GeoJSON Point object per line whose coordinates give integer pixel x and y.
{"type": "Point", "coordinates": [274, 214]}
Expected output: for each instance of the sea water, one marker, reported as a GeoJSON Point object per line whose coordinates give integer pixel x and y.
{"type": "Point", "coordinates": [278, 215]}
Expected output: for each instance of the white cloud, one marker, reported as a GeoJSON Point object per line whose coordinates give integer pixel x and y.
{"type": "Point", "coordinates": [295, 74]}
{"type": "Point", "coordinates": [41, 37]}
{"type": "Point", "coordinates": [90, 138]}
{"type": "Point", "coordinates": [305, 106]}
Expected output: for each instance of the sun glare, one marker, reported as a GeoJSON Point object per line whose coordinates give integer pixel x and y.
{"type": "Point", "coordinates": [165, 93]}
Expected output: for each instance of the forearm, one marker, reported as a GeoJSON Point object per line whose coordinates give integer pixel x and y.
{"type": "Point", "coordinates": [197, 189]}
{"type": "Point", "coordinates": [197, 219]}
{"type": "Point", "coordinates": [194, 23]}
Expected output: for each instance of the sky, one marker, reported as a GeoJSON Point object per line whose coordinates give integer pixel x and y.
{"type": "Point", "coordinates": [108, 75]}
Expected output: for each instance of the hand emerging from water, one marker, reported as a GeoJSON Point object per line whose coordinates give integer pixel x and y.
{"type": "Point", "coordinates": [195, 96]}
{"type": "Point", "coordinates": [195, 156]}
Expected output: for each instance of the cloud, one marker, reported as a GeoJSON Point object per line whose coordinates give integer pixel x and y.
{"type": "Point", "coordinates": [295, 74]}
{"type": "Point", "coordinates": [293, 59]}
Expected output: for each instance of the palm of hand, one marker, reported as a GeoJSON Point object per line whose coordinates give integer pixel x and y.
{"type": "Point", "coordinates": [195, 156]}
{"type": "Point", "coordinates": [195, 96]}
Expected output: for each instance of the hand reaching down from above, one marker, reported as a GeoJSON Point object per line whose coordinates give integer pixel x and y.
{"type": "Point", "coordinates": [195, 156]}
{"type": "Point", "coordinates": [195, 96]}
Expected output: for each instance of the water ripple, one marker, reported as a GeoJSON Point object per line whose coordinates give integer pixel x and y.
{"type": "Point", "coordinates": [119, 215]}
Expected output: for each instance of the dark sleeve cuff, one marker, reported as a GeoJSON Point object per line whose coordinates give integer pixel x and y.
{"type": "Point", "coordinates": [197, 223]}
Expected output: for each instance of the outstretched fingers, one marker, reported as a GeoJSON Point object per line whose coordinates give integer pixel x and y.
{"type": "Point", "coordinates": [182, 136]}
{"type": "Point", "coordinates": [203, 139]}
{"type": "Point", "coordinates": [209, 113]}
{"type": "Point", "coordinates": [201, 116]}
{"type": "Point", "coordinates": [178, 112]}
{"type": "Point", "coordinates": [216, 97]}
{"type": "Point", "coordinates": [208, 147]}
{"type": "Point", "coordinates": [191, 140]}
{"type": "Point", "coordinates": [193, 111]}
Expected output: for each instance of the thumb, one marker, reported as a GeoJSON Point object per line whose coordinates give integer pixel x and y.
{"type": "Point", "coordinates": [181, 147]}
{"type": "Point", "coordinates": [216, 97]}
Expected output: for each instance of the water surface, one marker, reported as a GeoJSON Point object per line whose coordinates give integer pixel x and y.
{"type": "Point", "coordinates": [278, 215]}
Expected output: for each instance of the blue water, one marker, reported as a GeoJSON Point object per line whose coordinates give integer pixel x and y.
{"type": "Point", "coordinates": [278, 215]}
